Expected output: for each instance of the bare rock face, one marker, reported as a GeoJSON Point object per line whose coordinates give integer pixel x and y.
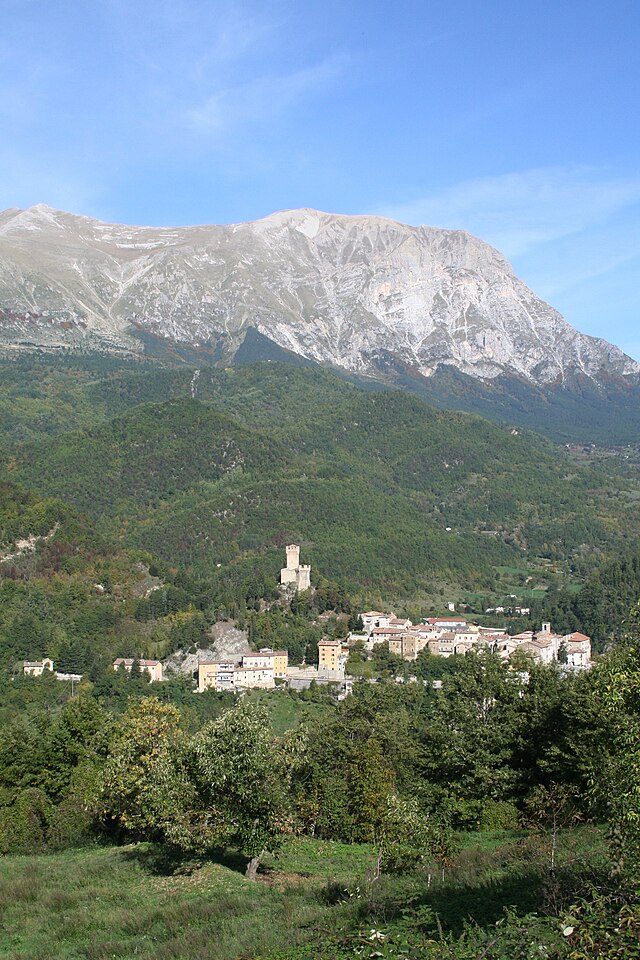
{"type": "Point", "coordinates": [227, 642]}
{"type": "Point", "coordinates": [335, 289]}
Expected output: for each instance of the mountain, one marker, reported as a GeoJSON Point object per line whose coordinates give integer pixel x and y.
{"type": "Point", "coordinates": [356, 292]}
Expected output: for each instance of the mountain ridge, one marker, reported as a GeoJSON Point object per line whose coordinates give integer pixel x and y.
{"type": "Point", "coordinates": [342, 290]}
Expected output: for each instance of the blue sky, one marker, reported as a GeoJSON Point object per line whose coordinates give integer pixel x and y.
{"type": "Point", "coordinates": [518, 121]}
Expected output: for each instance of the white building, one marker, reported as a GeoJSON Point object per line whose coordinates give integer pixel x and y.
{"type": "Point", "coordinates": [374, 618]}
{"type": "Point", "coordinates": [35, 668]}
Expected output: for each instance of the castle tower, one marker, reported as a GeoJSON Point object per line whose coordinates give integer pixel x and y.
{"type": "Point", "coordinates": [304, 577]}
{"type": "Point", "coordinates": [295, 573]}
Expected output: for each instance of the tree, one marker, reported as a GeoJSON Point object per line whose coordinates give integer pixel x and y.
{"type": "Point", "coordinates": [386, 663]}
{"type": "Point", "coordinates": [23, 825]}
{"type": "Point", "coordinates": [469, 739]}
{"type": "Point", "coordinates": [243, 773]}
{"type": "Point", "coordinates": [140, 786]}
{"type": "Point", "coordinates": [71, 740]}
{"type": "Point", "coordinates": [616, 772]}
{"type": "Point", "coordinates": [407, 837]}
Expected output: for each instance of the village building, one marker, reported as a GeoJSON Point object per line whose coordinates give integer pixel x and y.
{"type": "Point", "coordinates": [374, 618]}
{"type": "Point", "coordinates": [332, 657]}
{"type": "Point", "coordinates": [35, 668]}
{"type": "Point", "coordinates": [256, 670]}
{"type": "Point", "coordinates": [215, 675]}
{"type": "Point", "coordinates": [448, 623]}
{"type": "Point", "coordinates": [414, 640]}
{"type": "Point", "coordinates": [541, 649]}
{"type": "Point", "coordinates": [266, 658]}
{"type": "Point", "coordinates": [355, 638]}
{"type": "Point", "coordinates": [383, 635]}
{"type": "Point", "coordinates": [449, 636]}
{"type": "Point", "coordinates": [578, 649]}
{"type": "Point", "coordinates": [295, 574]}
{"type": "Point", "coordinates": [253, 677]}
{"type": "Point", "coordinates": [152, 667]}
{"type": "Point", "coordinates": [396, 643]}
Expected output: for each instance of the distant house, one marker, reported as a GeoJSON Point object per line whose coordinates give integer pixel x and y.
{"type": "Point", "coordinates": [35, 668]}
{"type": "Point", "coordinates": [331, 658]}
{"type": "Point", "coordinates": [449, 623]}
{"type": "Point", "coordinates": [216, 675]}
{"type": "Point", "coordinates": [578, 647]}
{"type": "Point", "coordinates": [253, 677]}
{"type": "Point", "coordinates": [152, 667]}
{"type": "Point", "coordinates": [257, 670]}
{"type": "Point", "coordinates": [445, 645]}
{"type": "Point", "coordinates": [266, 658]}
{"type": "Point", "coordinates": [384, 635]}
{"type": "Point", "coordinates": [375, 618]}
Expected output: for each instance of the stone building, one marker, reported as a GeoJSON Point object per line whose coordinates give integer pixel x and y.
{"type": "Point", "coordinates": [257, 670]}
{"type": "Point", "coordinates": [152, 667]}
{"type": "Point", "coordinates": [35, 668]}
{"type": "Point", "coordinates": [295, 573]}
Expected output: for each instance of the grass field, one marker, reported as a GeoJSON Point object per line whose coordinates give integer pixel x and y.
{"type": "Point", "coordinates": [285, 713]}
{"type": "Point", "coordinates": [133, 902]}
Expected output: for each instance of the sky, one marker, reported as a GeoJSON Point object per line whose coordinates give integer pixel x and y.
{"type": "Point", "coordinates": [518, 121]}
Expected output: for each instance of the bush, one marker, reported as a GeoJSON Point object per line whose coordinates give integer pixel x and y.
{"type": "Point", "coordinates": [23, 825]}
{"type": "Point", "coordinates": [498, 815]}
{"type": "Point", "coordinates": [72, 821]}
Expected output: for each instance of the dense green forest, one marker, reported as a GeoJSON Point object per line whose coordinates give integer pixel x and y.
{"type": "Point", "coordinates": [575, 410]}
{"type": "Point", "coordinates": [388, 496]}
{"type": "Point", "coordinates": [601, 607]}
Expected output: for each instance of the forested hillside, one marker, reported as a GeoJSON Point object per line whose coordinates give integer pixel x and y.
{"type": "Point", "coordinates": [601, 608]}
{"type": "Point", "coordinates": [384, 492]}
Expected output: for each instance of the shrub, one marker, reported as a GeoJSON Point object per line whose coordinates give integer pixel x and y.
{"type": "Point", "coordinates": [498, 815]}
{"type": "Point", "coordinates": [23, 824]}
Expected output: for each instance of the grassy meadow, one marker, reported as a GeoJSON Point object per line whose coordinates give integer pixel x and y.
{"type": "Point", "coordinates": [314, 899]}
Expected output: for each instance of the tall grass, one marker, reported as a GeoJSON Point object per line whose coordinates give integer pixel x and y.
{"type": "Point", "coordinates": [135, 902]}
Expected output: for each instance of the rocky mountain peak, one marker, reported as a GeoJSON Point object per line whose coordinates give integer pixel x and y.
{"type": "Point", "coordinates": [342, 290]}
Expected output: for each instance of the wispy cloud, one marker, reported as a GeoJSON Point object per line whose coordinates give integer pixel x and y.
{"type": "Point", "coordinates": [517, 212]}
{"type": "Point", "coordinates": [188, 37]}
{"type": "Point", "coordinates": [264, 99]}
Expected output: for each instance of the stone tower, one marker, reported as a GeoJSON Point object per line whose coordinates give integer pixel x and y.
{"type": "Point", "coordinates": [293, 556]}
{"type": "Point", "coordinates": [295, 573]}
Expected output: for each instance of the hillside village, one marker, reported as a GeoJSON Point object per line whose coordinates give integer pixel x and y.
{"type": "Point", "coordinates": [444, 636]}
